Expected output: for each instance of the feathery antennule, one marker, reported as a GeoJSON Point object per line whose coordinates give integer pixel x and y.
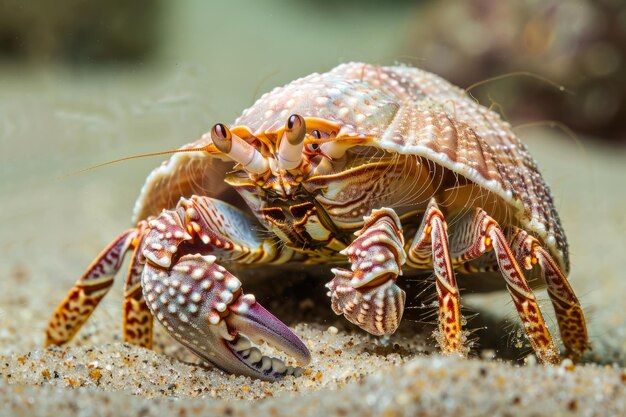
{"type": "Point", "coordinates": [554, 124]}
{"type": "Point", "coordinates": [516, 74]}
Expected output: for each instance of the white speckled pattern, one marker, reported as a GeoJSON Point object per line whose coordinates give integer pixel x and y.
{"type": "Point", "coordinates": [410, 111]}
{"type": "Point", "coordinates": [406, 110]}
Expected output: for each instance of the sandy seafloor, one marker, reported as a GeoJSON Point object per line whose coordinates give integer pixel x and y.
{"type": "Point", "coordinates": [50, 229]}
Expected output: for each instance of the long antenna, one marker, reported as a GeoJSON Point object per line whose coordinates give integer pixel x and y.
{"type": "Point", "coordinates": [205, 149]}
{"type": "Point", "coordinates": [517, 74]}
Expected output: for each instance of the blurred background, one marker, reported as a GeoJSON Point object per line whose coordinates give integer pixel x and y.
{"type": "Point", "coordinates": [85, 81]}
{"type": "Point", "coordinates": [553, 60]}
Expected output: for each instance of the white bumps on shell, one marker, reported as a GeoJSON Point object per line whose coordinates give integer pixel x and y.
{"type": "Point", "coordinates": [413, 112]}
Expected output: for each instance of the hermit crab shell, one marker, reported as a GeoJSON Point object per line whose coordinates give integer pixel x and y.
{"type": "Point", "coordinates": [399, 109]}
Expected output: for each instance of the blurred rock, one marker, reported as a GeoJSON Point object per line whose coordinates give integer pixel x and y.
{"type": "Point", "coordinates": [580, 44]}
{"type": "Point", "coordinates": [78, 31]}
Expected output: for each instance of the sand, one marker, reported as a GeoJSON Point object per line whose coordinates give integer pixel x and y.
{"type": "Point", "coordinates": [351, 373]}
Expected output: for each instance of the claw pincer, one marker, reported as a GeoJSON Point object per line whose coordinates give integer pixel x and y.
{"type": "Point", "coordinates": [202, 306]}
{"type": "Point", "coordinates": [200, 303]}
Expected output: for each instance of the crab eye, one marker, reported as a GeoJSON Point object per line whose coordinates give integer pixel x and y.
{"type": "Point", "coordinates": [312, 147]}
{"type": "Point", "coordinates": [295, 129]}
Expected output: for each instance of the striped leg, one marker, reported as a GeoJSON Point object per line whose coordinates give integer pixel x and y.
{"type": "Point", "coordinates": [84, 297]}
{"type": "Point", "coordinates": [431, 240]}
{"type": "Point", "coordinates": [367, 295]}
{"type": "Point", "coordinates": [569, 313]}
{"type": "Point", "coordinates": [137, 317]}
{"type": "Point", "coordinates": [478, 233]}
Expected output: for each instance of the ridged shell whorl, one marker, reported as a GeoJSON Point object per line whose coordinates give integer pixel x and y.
{"type": "Point", "coordinates": [410, 111]}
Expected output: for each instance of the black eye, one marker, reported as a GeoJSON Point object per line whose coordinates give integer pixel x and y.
{"type": "Point", "coordinates": [312, 147]}
{"type": "Point", "coordinates": [316, 134]}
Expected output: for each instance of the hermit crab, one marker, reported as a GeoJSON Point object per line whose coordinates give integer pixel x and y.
{"type": "Point", "coordinates": [374, 172]}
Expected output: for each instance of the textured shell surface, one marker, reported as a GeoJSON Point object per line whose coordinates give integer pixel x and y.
{"type": "Point", "coordinates": [399, 109]}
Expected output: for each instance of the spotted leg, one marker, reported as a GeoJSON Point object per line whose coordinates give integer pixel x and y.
{"type": "Point", "coordinates": [136, 315]}
{"type": "Point", "coordinates": [569, 314]}
{"type": "Point", "coordinates": [87, 292]}
{"type": "Point", "coordinates": [367, 295]}
{"type": "Point", "coordinates": [199, 302]}
{"type": "Point", "coordinates": [478, 233]}
{"type": "Point", "coordinates": [431, 241]}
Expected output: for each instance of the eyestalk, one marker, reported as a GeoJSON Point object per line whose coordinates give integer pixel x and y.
{"type": "Point", "coordinates": [292, 143]}
{"type": "Point", "coordinates": [238, 149]}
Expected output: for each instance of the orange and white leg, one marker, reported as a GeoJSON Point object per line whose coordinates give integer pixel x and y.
{"type": "Point", "coordinates": [137, 317]}
{"type": "Point", "coordinates": [569, 314]}
{"type": "Point", "coordinates": [431, 241]}
{"type": "Point", "coordinates": [87, 292]}
{"type": "Point", "coordinates": [478, 233]}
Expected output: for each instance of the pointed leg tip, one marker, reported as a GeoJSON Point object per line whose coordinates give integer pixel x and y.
{"type": "Point", "coordinates": [51, 342]}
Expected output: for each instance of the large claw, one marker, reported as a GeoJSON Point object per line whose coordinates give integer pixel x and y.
{"type": "Point", "coordinates": [201, 305]}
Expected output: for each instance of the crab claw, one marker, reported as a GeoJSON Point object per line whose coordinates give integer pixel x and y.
{"type": "Point", "coordinates": [376, 308]}
{"type": "Point", "coordinates": [202, 306]}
